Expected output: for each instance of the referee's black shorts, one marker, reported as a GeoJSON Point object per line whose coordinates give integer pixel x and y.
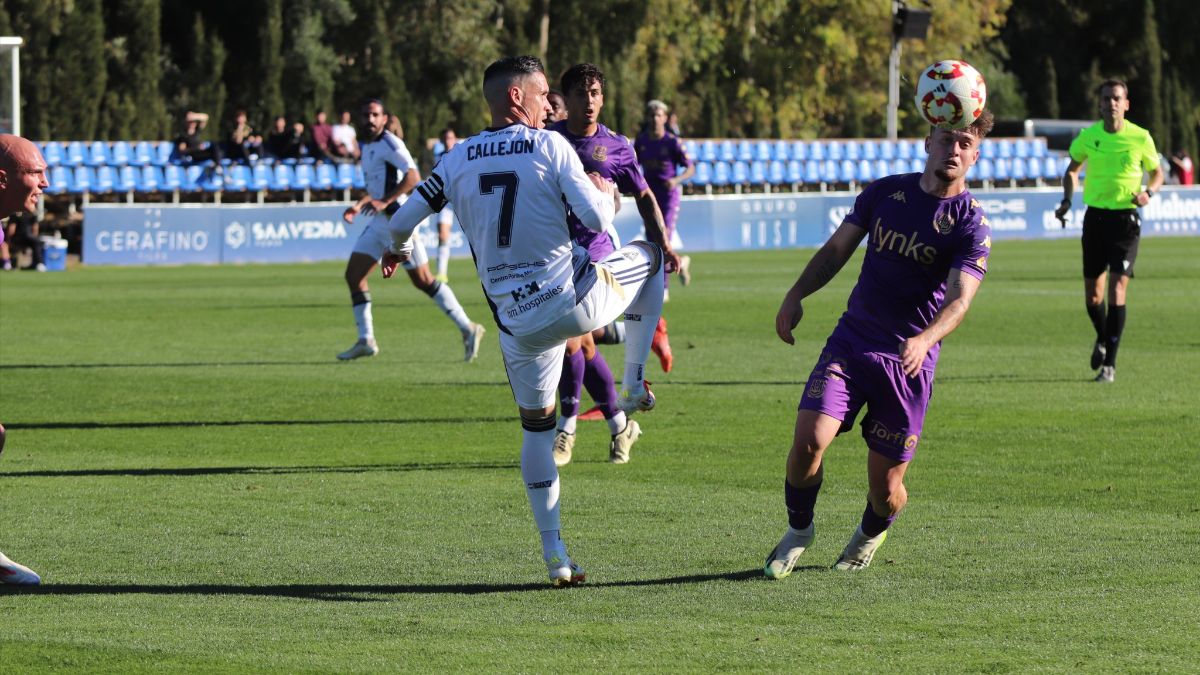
{"type": "Point", "coordinates": [1110, 241]}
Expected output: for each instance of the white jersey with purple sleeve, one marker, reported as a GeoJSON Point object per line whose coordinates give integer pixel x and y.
{"type": "Point", "coordinates": [914, 239]}
{"type": "Point", "coordinates": [385, 160]}
{"type": "Point", "coordinates": [511, 189]}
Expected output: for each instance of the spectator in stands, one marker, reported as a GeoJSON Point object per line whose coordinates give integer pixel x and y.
{"type": "Point", "coordinates": [322, 138]}
{"type": "Point", "coordinates": [673, 123]}
{"type": "Point", "coordinates": [1181, 168]}
{"type": "Point", "coordinates": [21, 233]}
{"type": "Point", "coordinates": [190, 147]}
{"type": "Point", "coordinates": [286, 143]}
{"type": "Point", "coordinates": [242, 144]}
{"type": "Point", "coordinates": [344, 140]}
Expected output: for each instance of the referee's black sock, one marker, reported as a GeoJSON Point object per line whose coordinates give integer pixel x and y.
{"type": "Point", "coordinates": [1113, 330]}
{"type": "Point", "coordinates": [1096, 314]}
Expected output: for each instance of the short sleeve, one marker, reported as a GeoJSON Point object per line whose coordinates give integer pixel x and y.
{"type": "Point", "coordinates": [1149, 154]}
{"type": "Point", "coordinates": [860, 213]}
{"type": "Point", "coordinates": [679, 152]}
{"type": "Point", "coordinates": [626, 172]}
{"type": "Point", "coordinates": [975, 248]}
{"type": "Point", "coordinates": [433, 189]}
{"type": "Point", "coordinates": [1078, 147]}
{"type": "Point", "coordinates": [398, 155]}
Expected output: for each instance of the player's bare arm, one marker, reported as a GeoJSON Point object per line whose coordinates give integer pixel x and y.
{"type": "Point", "coordinates": [1070, 180]}
{"type": "Point", "coordinates": [960, 290]}
{"type": "Point", "coordinates": [656, 227]}
{"type": "Point", "coordinates": [676, 181]}
{"type": "Point", "coordinates": [823, 267]}
{"type": "Point", "coordinates": [1156, 180]}
{"type": "Point", "coordinates": [401, 226]}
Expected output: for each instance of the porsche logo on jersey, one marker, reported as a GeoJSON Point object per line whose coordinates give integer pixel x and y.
{"type": "Point", "coordinates": [943, 223]}
{"type": "Point", "coordinates": [600, 153]}
{"type": "Point", "coordinates": [898, 195]}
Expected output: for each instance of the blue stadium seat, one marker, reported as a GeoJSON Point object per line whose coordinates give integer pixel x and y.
{"type": "Point", "coordinates": [126, 179]}
{"type": "Point", "coordinates": [344, 177]}
{"type": "Point", "coordinates": [1020, 170]}
{"type": "Point", "coordinates": [162, 153]}
{"type": "Point", "coordinates": [104, 179]}
{"type": "Point", "coordinates": [118, 154]}
{"type": "Point", "coordinates": [360, 179]}
{"type": "Point", "coordinates": [887, 150]}
{"type": "Point", "coordinates": [739, 173]}
{"type": "Point", "coordinates": [281, 177]}
{"type": "Point", "coordinates": [149, 179]}
{"type": "Point", "coordinates": [812, 172]}
{"type": "Point", "coordinates": [800, 150]}
{"type": "Point", "coordinates": [918, 148]}
{"type": "Point", "coordinates": [851, 150]}
{"type": "Point", "coordinates": [763, 151]}
{"type": "Point", "coordinates": [720, 174]}
{"type": "Point", "coordinates": [864, 171]}
{"type": "Point", "coordinates": [260, 177]}
{"type": "Point", "coordinates": [97, 154]}
{"type": "Point", "coordinates": [1021, 148]}
{"type": "Point", "coordinates": [898, 166]}
{"type": "Point", "coordinates": [324, 177]}
{"type": "Point", "coordinates": [52, 152]}
{"type": "Point", "coordinates": [237, 178]}
{"type": "Point", "coordinates": [1004, 148]}
{"type": "Point", "coordinates": [777, 173]}
{"type": "Point", "coordinates": [829, 171]}
{"type": "Point", "coordinates": [73, 154]}
{"type": "Point", "coordinates": [703, 175]}
{"type": "Point", "coordinates": [795, 171]}
{"type": "Point", "coordinates": [903, 149]}
{"type": "Point", "coordinates": [1003, 170]}
{"type": "Point", "coordinates": [916, 165]}
{"type": "Point", "coordinates": [987, 148]}
{"type": "Point", "coordinates": [745, 151]}
{"type": "Point", "coordinates": [59, 179]}
{"type": "Point", "coordinates": [984, 170]}
{"type": "Point", "coordinates": [1052, 167]}
{"type": "Point", "coordinates": [302, 179]}
{"type": "Point", "coordinates": [82, 179]}
{"type": "Point", "coordinates": [172, 178]}
{"type": "Point", "coordinates": [195, 178]}
{"type": "Point", "coordinates": [870, 150]}
{"type": "Point", "coordinates": [726, 151]}
{"type": "Point", "coordinates": [758, 172]}
{"type": "Point", "coordinates": [708, 151]}
{"type": "Point", "coordinates": [1038, 147]}
{"type": "Point", "coordinates": [835, 150]}
{"type": "Point", "coordinates": [816, 151]}
{"type": "Point", "coordinates": [692, 148]}
{"type": "Point", "coordinates": [847, 171]}
{"type": "Point", "coordinates": [781, 151]}
{"type": "Point", "coordinates": [142, 154]}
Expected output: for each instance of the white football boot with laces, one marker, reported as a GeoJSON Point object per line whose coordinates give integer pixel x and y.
{"type": "Point", "coordinates": [564, 571]}
{"type": "Point", "coordinates": [471, 341]}
{"type": "Point", "coordinates": [564, 443]}
{"type": "Point", "coordinates": [639, 400]}
{"type": "Point", "coordinates": [364, 347]}
{"type": "Point", "coordinates": [782, 560]}
{"type": "Point", "coordinates": [859, 551]}
{"type": "Point", "coordinates": [622, 443]}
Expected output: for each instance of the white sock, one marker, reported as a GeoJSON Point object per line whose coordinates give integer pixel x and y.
{"type": "Point", "coordinates": [443, 259]}
{"type": "Point", "coordinates": [362, 319]}
{"type": "Point", "coordinates": [552, 544]}
{"type": "Point", "coordinates": [445, 300]}
{"type": "Point", "coordinates": [641, 318]}
{"type": "Point", "coordinates": [567, 424]}
{"type": "Point", "coordinates": [541, 478]}
{"type": "Point", "coordinates": [616, 423]}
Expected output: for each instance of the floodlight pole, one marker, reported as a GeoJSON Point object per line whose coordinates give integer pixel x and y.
{"type": "Point", "coordinates": [893, 77]}
{"type": "Point", "coordinates": [15, 43]}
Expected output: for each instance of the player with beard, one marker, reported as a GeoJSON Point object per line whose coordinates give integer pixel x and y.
{"type": "Point", "coordinates": [927, 250]}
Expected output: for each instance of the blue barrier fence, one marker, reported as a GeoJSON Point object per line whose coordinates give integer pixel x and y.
{"type": "Point", "coordinates": [119, 234]}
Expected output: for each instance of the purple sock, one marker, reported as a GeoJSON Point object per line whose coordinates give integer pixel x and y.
{"type": "Point", "coordinates": [873, 523]}
{"type": "Point", "coordinates": [600, 386]}
{"type": "Point", "coordinates": [800, 504]}
{"type": "Point", "coordinates": [571, 384]}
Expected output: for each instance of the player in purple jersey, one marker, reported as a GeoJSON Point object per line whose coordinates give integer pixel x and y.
{"type": "Point", "coordinates": [610, 155]}
{"type": "Point", "coordinates": [927, 250]}
{"type": "Point", "coordinates": [661, 153]}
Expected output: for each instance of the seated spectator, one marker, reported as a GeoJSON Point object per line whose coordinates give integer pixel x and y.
{"type": "Point", "coordinates": [1182, 169]}
{"type": "Point", "coordinates": [190, 147]}
{"type": "Point", "coordinates": [322, 138]}
{"type": "Point", "coordinates": [278, 143]}
{"type": "Point", "coordinates": [343, 140]}
{"type": "Point", "coordinates": [242, 144]}
{"type": "Point", "coordinates": [22, 233]}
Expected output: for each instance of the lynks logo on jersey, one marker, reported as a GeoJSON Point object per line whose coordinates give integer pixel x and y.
{"type": "Point", "coordinates": [908, 247]}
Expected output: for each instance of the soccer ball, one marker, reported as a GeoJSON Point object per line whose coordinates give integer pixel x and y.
{"type": "Point", "coordinates": [951, 94]}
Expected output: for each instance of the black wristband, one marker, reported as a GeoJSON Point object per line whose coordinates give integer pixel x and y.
{"type": "Point", "coordinates": [1150, 193]}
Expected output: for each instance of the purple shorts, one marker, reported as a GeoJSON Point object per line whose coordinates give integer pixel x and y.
{"type": "Point", "coordinates": [845, 379]}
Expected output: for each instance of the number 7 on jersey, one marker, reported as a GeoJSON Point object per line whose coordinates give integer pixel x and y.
{"type": "Point", "coordinates": [507, 182]}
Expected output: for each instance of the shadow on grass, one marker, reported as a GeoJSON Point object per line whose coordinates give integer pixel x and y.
{"type": "Point", "coordinates": [350, 592]}
{"type": "Point", "coordinates": [167, 424]}
{"type": "Point", "coordinates": [262, 470]}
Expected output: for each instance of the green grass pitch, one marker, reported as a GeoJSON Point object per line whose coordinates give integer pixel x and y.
{"type": "Point", "coordinates": [204, 488]}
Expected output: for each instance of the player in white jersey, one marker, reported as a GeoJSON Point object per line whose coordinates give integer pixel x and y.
{"type": "Point", "coordinates": [511, 186]}
{"type": "Point", "coordinates": [391, 174]}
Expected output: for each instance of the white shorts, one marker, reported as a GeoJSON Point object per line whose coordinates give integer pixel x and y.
{"type": "Point", "coordinates": [375, 240]}
{"type": "Point", "coordinates": [534, 362]}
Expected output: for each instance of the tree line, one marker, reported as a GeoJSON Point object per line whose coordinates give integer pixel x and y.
{"type": "Point", "coordinates": [128, 69]}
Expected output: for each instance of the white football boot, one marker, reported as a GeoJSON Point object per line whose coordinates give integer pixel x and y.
{"type": "Point", "coordinates": [638, 400]}
{"type": "Point", "coordinates": [564, 443]}
{"type": "Point", "coordinates": [364, 347]}
{"type": "Point", "coordinates": [622, 443]}
{"type": "Point", "coordinates": [471, 341]}
{"type": "Point", "coordinates": [859, 551]}
{"type": "Point", "coordinates": [782, 559]}
{"type": "Point", "coordinates": [16, 574]}
{"type": "Point", "coordinates": [564, 571]}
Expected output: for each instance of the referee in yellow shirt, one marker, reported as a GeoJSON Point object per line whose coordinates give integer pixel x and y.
{"type": "Point", "coordinates": [1117, 153]}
